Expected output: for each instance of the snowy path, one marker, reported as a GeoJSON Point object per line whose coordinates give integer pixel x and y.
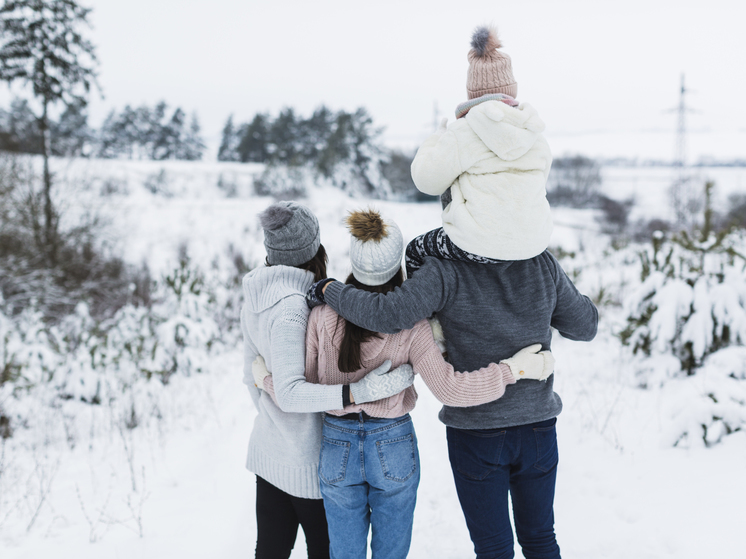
{"type": "Point", "coordinates": [619, 494]}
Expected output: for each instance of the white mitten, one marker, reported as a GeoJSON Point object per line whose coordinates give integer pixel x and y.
{"type": "Point", "coordinates": [443, 125]}
{"type": "Point", "coordinates": [259, 370]}
{"type": "Point", "coordinates": [530, 363]}
{"type": "Point", "coordinates": [381, 383]}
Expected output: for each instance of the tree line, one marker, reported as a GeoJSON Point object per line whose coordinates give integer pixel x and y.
{"type": "Point", "coordinates": [324, 139]}
{"type": "Point", "coordinates": [339, 146]}
{"type": "Point", "coordinates": [143, 132]}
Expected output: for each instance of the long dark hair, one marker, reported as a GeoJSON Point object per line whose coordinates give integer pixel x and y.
{"type": "Point", "coordinates": [317, 264]}
{"type": "Point", "coordinates": [354, 336]}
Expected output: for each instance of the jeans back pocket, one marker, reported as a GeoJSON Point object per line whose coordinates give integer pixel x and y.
{"type": "Point", "coordinates": [547, 453]}
{"type": "Point", "coordinates": [398, 457]}
{"type": "Point", "coordinates": [333, 460]}
{"type": "Point", "coordinates": [475, 453]}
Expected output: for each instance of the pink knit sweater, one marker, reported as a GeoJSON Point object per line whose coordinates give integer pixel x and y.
{"type": "Point", "coordinates": [417, 347]}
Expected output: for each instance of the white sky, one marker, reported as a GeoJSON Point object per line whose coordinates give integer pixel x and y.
{"type": "Point", "coordinates": [586, 65]}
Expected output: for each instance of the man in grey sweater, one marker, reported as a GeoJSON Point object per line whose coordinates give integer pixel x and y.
{"type": "Point", "coordinates": [489, 311]}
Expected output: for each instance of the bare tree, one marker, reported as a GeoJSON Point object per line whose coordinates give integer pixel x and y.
{"type": "Point", "coordinates": [42, 48]}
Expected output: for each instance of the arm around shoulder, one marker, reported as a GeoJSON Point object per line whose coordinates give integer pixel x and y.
{"type": "Point", "coordinates": [417, 298]}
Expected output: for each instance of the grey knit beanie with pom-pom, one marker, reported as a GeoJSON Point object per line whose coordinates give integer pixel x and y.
{"type": "Point", "coordinates": [291, 233]}
{"type": "Point", "coordinates": [490, 70]}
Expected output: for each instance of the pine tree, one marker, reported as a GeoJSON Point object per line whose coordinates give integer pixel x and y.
{"type": "Point", "coordinates": [128, 129]}
{"type": "Point", "coordinates": [253, 145]}
{"type": "Point", "coordinates": [228, 143]}
{"type": "Point", "coordinates": [315, 133]}
{"type": "Point", "coordinates": [41, 47]}
{"type": "Point", "coordinates": [70, 135]}
{"type": "Point", "coordinates": [107, 138]}
{"type": "Point", "coordinates": [194, 146]}
{"type": "Point", "coordinates": [19, 129]}
{"type": "Point", "coordinates": [284, 145]}
{"type": "Point", "coordinates": [154, 134]}
{"type": "Point", "coordinates": [337, 148]}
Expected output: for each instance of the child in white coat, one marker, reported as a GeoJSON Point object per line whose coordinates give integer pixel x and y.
{"type": "Point", "coordinates": [490, 168]}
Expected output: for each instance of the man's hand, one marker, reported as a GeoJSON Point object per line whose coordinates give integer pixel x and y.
{"type": "Point", "coordinates": [315, 293]}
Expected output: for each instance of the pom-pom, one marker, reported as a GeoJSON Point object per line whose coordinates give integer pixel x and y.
{"type": "Point", "coordinates": [275, 217]}
{"type": "Point", "coordinates": [366, 225]}
{"type": "Point", "coordinates": [484, 41]}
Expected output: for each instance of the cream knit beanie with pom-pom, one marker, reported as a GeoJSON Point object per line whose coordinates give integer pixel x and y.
{"type": "Point", "coordinates": [376, 247]}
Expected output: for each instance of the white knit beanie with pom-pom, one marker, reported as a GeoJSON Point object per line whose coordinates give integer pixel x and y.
{"type": "Point", "coordinates": [376, 247]}
{"type": "Point", "coordinates": [490, 70]}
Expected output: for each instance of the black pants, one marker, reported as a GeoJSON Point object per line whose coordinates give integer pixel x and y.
{"type": "Point", "coordinates": [277, 517]}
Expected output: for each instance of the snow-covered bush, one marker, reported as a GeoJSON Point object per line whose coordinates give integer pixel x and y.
{"type": "Point", "coordinates": [691, 299]}
{"type": "Point", "coordinates": [363, 178]}
{"type": "Point", "coordinates": [686, 325]}
{"type": "Point", "coordinates": [284, 182]}
{"type": "Point", "coordinates": [104, 362]}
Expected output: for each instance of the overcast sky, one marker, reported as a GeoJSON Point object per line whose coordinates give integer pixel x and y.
{"type": "Point", "coordinates": [586, 65]}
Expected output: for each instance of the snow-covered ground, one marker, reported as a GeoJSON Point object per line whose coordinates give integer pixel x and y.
{"type": "Point", "coordinates": [176, 485]}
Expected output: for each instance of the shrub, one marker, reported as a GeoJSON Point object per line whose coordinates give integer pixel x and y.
{"type": "Point", "coordinates": [688, 314]}
{"type": "Point", "coordinates": [574, 181]}
{"type": "Point", "coordinates": [103, 361]}
{"type": "Point", "coordinates": [53, 279]}
{"type": "Point", "coordinates": [283, 182]}
{"type": "Point", "coordinates": [158, 184]}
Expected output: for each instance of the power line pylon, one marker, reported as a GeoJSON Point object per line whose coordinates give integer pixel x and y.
{"type": "Point", "coordinates": [680, 155]}
{"type": "Point", "coordinates": [683, 198]}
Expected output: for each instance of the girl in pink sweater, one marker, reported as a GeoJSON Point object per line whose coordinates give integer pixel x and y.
{"type": "Point", "coordinates": [369, 467]}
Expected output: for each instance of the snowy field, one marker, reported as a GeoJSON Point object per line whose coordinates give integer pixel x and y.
{"type": "Point", "coordinates": [176, 486]}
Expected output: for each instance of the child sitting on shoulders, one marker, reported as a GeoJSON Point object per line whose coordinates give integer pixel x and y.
{"type": "Point", "coordinates": [490, 168]}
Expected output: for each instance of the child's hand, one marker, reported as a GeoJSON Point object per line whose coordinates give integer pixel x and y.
{"type": "Point", "coordinates": [259, 370]}
{"type": "Point", "coordinates": [440, 339]}
{"type": "Point", "coordinates": [443, 125]}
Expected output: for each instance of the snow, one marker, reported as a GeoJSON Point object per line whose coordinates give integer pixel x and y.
{"type": "Point", "coordinates": [79, 485]}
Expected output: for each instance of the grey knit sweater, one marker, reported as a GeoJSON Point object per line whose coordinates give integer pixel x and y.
{"type": "Point", "coordinates": [488, 312]}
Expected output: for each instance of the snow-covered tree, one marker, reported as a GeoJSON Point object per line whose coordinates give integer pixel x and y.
{"type": "Point", "coordinates": [71, 135]}
{"type": "Point", "coordinates": [147, 133]}
{"type": "Point", "coordinates": [228, 142]}
{"type": "Point", "coordinates": [19, 128]}
{"type": "Point", "coordinates": [688, 319]}
{"type": "Point", "coordinates": [42, 47]}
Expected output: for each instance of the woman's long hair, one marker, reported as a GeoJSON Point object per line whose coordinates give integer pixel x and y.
{"type": "Point", "coordinates": [317, 264]}
{"type": "Point", "coordinates": [354, 336]}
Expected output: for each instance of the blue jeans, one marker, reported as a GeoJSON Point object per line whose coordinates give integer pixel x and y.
{"type": "Point", "coordinates": [369, 472]}
{"type": "Point", "coordinates": [489, 463]}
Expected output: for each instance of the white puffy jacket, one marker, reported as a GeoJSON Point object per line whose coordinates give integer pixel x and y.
{"type": "Point", "coordinates": [496, 162]}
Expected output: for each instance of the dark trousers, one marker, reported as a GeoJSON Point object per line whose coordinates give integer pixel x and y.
{"type": "Point", "coordinates": [489, 463]}
{"type": "Point", "coordinates": [277, 518]}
